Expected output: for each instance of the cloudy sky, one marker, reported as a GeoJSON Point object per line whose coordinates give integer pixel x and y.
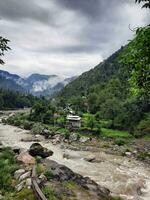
{"type": "Point", "coordinates": [65, 37]}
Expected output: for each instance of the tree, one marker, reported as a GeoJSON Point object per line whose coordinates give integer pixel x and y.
{"type": "Point", "coordinates": [3, 47]}
{"type": "Point", "coordinates": [91, 121]}
{"type": "Point", "coordinates": [146, 3]}
{"type": "Point", "coordinates": [137, 56]}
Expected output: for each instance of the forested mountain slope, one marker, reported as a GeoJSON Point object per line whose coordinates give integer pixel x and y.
{"type": "Point", "coordinates": [105, 92]}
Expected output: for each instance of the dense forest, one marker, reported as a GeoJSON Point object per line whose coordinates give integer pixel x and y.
{"type": "Point", "coordinates": [10, 100]}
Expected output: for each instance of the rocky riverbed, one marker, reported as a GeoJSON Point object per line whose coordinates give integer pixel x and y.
{"type": "Point", "coordinates": [123, 176]}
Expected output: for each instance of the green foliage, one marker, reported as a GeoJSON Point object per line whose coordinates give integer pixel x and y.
{"type": "Point", "coordinates": [37, 128]}
{"type": "Point", "coordinates": [90, 121]}
{"type": "Point", "coordinates": [3, 47]}
{"type": "Point", "coordinates": [120, 141]}
{"type": "Point", "coordinates": [43, 112]}
{"type": "Point", "coordinates": [106, 124]}
{"type": "Point", "coordinates": [137, 57]}
{"type": "Point", "coordinates": [27, 125]}
{"type": "Point", "coordinates": [10, 99]}
{"type": "Point", "coordinates": [49, 193]}
{"type": "Point", "coordinates": [49, 175]}
{"type": "Point", "coordinates": [115, 133]}
{"type": "Point", "coordinates": [143, 128]}
{"type": "Point", "coordinates": [144, 155]}
{"type": "Point", "coordinates": [25, 194]}
{"type": "Point", "coordinates": [40, 167]}
{"type": "Point", "coordinates": [66, 134]}
{"type": "Point", "coordinates": [7, 167]}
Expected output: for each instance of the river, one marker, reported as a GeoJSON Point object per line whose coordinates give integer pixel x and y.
{"type": "Point", "coordinates": [123, 176]}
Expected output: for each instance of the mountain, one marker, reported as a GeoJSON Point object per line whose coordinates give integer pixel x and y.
{"type": "Point", "coordinates": [99, 76]}
{"type": "Point", "coordinates": [105, 91]}
{"type": "Point", "coordinates": [36, 84]}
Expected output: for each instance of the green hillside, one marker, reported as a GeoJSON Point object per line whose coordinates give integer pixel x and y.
{"type": "Point", "coordinates": [105, 91]}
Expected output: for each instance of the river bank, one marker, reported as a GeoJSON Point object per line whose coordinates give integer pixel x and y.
{"type": "Point", "coordinates": [123, 176]}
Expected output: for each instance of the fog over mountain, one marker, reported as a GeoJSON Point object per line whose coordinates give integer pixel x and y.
{"type": "Point", "coordinates": [36, 84]}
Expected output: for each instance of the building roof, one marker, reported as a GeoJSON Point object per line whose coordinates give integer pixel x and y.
{"type": "Point", "coordinates": [73, 117]}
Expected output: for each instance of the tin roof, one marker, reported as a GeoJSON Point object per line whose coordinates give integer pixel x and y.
{"type": "Point", "coordinates": [73, 117]}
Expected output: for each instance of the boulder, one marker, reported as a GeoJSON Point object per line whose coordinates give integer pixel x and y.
{"type": "Point", "coordinates": [128, 154]}
{"type": "Point", "coordinates": [56, 139]}
{"type": "Point", "coordinates": [20, 186]}
{"type": "Point", "coordinates": [47, 133]}
{"type": "Point", "coordinates": [39, 137]}
{"type": "Point", "coordinates": [73, 137]}
{"type": "Point", "coordinates": [84, 139]}
{"type": "Point", "coordinates": [25, 158]}
{"type": "Point", "coordinates": [25, 176]}
{"type": "Point", "coordinates": [16, 150]}
{"type": "Point", "coordinates": [28, 183]}
{"type": "Point", "coordinates": [37, 149]}
{"type": "Point", "coordinates": [18, 173]}
{"type": "Point", "coordinates": [62, 173]}
{"type": "Point", "coordinates": [90, 158]}
{"type": "Point", "coordinates": [42, 178]}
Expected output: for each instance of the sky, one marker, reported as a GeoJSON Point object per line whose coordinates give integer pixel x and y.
{"type": "Point", "coordinates": [65, 37]}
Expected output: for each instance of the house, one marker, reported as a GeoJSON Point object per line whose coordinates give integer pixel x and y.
{"type": "Point", "coordinates": [73, 121]}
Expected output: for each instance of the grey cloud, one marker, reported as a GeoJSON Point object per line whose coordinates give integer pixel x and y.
{"type": "Point", "coordinates": [65, 36]}
{"type": "Point", "coordinates": [18, 10]}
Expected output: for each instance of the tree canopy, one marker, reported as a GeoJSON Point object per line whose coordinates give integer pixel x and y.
{"type": "Point", "coordinates": [3, 48]}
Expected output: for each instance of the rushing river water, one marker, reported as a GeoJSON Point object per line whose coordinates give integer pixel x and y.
{"type": "Point", "coordinates": [123, 176]}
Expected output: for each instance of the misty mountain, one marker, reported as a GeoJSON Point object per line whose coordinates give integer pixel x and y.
{"type": "Point", "coordinates": [36, 84]}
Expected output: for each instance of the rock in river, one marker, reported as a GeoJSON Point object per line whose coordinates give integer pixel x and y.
{"type": "Point", "coordinates": [25, 158]}
{"type": "Point", "coordinates": [37, 149]}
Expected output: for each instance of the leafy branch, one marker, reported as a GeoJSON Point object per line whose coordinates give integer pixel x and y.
{"type": "Point", "coordinates": [3, 47]}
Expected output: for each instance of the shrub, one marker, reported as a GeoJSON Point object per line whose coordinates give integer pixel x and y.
{"type": "Point", "coordinates": [37, 128]}
{"type": "Point", "coordinates": [25, 194]}
{"type": "Point", "coordinates": [40, 169]}
{"type": "Point", "coordinates": [120, 142]}
{"type": "Point", "coordinates": [7, 168]}
{"type": "Point", "coordinates": [49, 175]}
{"type": "Point", "coordinates": [143, 127]}
{"type": "Point", "coordinates": [27, 125]}
{"type": "Point", "coordinates": [49, 193]}
{"type": "Point", "coordinates": [106, 123]}
{"type": "Point", "coordinates": [17, 122]}
{"type": "Point", "coordinates": [66, 134]}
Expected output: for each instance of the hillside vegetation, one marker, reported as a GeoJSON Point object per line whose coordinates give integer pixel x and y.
{"type": "Point", "coordinates": [116, 90]}
{"type": "Point", "coordinates": [13, 100]}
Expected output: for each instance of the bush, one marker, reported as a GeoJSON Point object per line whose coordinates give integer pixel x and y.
{"type": "Point", "coordinates": [40, 169]}
{"type": "Point", "coordinates": [143, 127]}
{"type": "Point", "coordinates": [66, 134]}
{"type": "Point", "coordinates": [37, 128]}
{"type": "Point", "coordinates": [49, 175]}
{"type": "Point", "coordinates": [106, 123]}
{"type": "Point", "coordinates": [7, 168]}
{"type": "Point", "coordinates": [17, 122]}
{"type": "Point", "coordinates": [49, 193]}
{"type": "Point", "coordinates": [27, 125]}
{"type": "Point", "coordinates": [25, 194]}
{"type": "Point", "coordinates": [120, 142]}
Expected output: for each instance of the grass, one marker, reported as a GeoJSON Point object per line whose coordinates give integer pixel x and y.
{"type": "Point", "coordinates": [70, 185]}
{"type": "Point", "coordinates": [49, 193]}
{"type": "Point", "coordinates": [109, 133]}
{"type": "Point", "coordinates": [25, 194]}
